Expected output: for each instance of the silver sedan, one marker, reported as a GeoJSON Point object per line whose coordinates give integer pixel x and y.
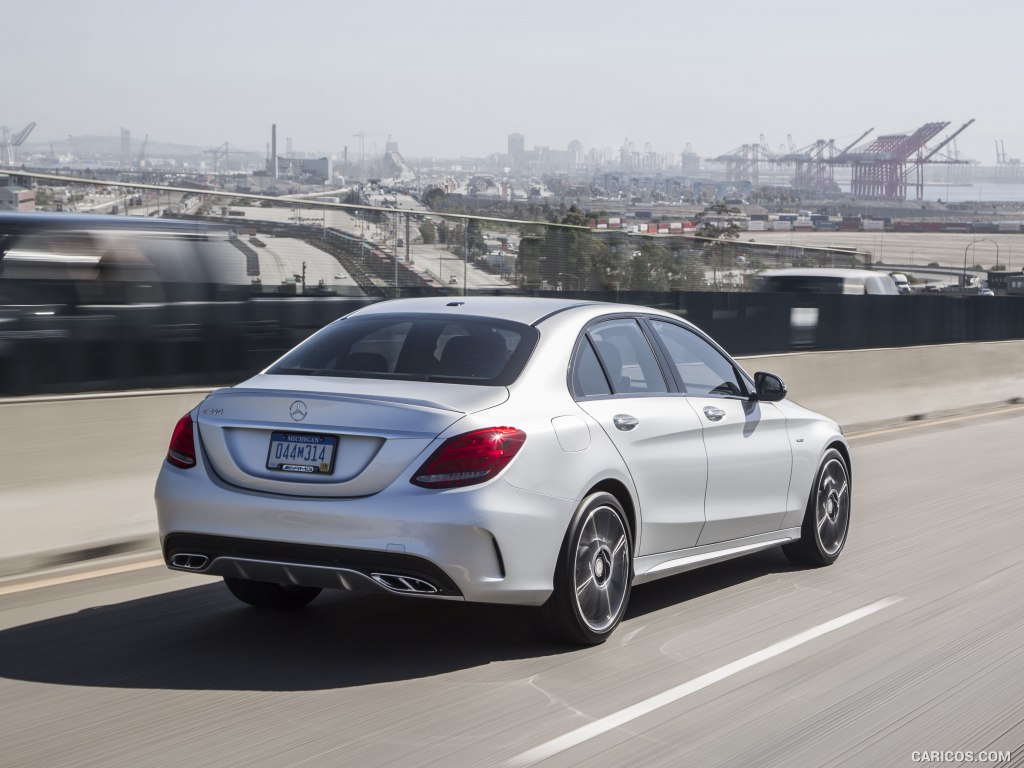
{"type": "Point", "coordinates": [506, 450]}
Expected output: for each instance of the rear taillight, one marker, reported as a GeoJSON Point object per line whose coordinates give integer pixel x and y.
{"type": "Point", "coordinates": [182, 452]}
{"type": "Point", "coordinates": [470, 458]}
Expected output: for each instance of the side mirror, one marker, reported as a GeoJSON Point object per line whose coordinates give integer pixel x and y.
{"type": "Point", "coordinates": [769, 387]}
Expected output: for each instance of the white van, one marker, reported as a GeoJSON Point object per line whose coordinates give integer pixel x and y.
{"type": "Point", "coordinates": [902, 284]}
{"type": "Point", "coordinates": [811, 280]}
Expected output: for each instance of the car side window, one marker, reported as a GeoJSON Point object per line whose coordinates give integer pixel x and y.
{"type": "Point", "coordinates": [703, 370]}
{"type": "Point", "coordinates": [627, 357]}
{"type": "Point", "coordinates": [587, 377]}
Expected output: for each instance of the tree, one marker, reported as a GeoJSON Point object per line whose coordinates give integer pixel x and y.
{"type": "Point", "coordinates": [475, 237]}
{"type": "Point", "coordinates": [689, 273]}
{"type": "Point", "coordinates": [716, 226]}
{"type": "Point", "coordinates": [575, 217]}
{"type": "Point", "coordinates": [435, 199]}
{"type": "Point", "coordinates": [652, 268]}
{"type": "Point", "coordinates": [428, 232]}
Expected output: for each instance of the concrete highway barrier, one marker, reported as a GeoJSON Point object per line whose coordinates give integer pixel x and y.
{"type": "Point", "coordinates": [871, 387]}
{"type": "Point", "coordinates": [77, 474]}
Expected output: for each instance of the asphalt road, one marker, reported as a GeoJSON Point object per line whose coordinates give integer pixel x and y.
{"type": "Point", "coordinates": [149, 668]}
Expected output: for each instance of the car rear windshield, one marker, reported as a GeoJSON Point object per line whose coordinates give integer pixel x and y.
{"type": "Point", "coordinates": [461, 350]}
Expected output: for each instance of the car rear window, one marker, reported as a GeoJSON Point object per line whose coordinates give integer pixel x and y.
{"type": "Point", "coordinates": [463, 350]}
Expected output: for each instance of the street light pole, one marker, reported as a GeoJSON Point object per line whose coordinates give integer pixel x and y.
{"type": "Point", "coordinates": [963, 286]}
{"type": "Point", "coordinates": [963, 278]}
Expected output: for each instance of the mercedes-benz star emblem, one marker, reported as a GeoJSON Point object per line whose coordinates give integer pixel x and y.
{"type": "Point", "coordinates": [298, 410]}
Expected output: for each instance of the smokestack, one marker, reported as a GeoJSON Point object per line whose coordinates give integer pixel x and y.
{"type": "Point", "coordinates": [273, 148]}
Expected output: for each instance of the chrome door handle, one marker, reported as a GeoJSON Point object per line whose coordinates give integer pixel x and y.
{"type": "Point", "coordinates": [713, 414]}
{"type": "Point", "coordinates": [624, 421]}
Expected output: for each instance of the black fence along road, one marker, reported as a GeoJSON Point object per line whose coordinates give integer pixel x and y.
{"type": "Point", "coordinates": [62, 349]}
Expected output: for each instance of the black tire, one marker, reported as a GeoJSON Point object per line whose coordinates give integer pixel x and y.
{"type": "Point", "coordinates": [827, 518]}
{"type": "Point", "coordinates": [594, 574]}
{"type": "Point", "coordinates": [264, 594]}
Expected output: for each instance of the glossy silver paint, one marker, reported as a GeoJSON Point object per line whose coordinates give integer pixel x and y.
{"type": "Point", "coordinates": [702, 478]}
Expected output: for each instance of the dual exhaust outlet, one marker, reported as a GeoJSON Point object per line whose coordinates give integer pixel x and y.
{"type": "Point", "coordinates": [405, 584]}
{"type": "Point", "coordinates": [392, 582]}
{"type": "Point", "coordinates": [189, 562]}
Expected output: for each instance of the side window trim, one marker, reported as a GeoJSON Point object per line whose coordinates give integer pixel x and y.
{"type": "Point", "coordinates": [668, 381]}
{"type": "Point", "coordinates": [668, 378]}
{"type": "Point", "coordinates": [604, 369]}
{"type": "Point", "coordinates": [676, 386]}
{"type": "Point", "coordinates": [741, 377]}
{"type": "Point", "coordinates": [574, 361]}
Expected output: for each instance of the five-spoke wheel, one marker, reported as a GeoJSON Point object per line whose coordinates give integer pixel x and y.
{"type": "Point", "coordinates": [594, 574]}
{"type": "Point", "coordinates": [827, 518]}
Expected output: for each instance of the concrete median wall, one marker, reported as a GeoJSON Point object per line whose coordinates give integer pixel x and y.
{"type": "Point", "coordinates": [76, 479]}
{"type": "Point", "coordinates": [865, 387]}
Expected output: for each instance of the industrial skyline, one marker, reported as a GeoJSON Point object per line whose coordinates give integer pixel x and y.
{"type": "Point", "coordinates": [455, 78]}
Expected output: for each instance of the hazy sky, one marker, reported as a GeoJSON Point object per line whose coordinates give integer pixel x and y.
{"type": "Point", "coordinates": [450, 78]}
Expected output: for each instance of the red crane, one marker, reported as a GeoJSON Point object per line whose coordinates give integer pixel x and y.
{"type": "Point", "coordinates": [880, 169]}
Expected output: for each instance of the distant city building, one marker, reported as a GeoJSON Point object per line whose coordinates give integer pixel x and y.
{"type": "Point", "coordinates": [516, 149]}
{"type": "Point", "coordinates": [292, 167]}
{"type": "Point", "coordinates": [543, 159]}
{"type": "Point", "coordinates": [14, 198]}
{"type": "Point", "coordinates": [690, 162]}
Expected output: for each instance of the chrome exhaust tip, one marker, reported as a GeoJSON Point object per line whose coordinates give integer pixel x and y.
{"type": "Point", "coordinates": [408, 585]}
{"type": "Point", "coordinates": [189, 562]}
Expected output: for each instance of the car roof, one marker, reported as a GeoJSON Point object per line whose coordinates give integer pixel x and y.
{"type": "Point", "coordinates": [821, 272]}
{"type": "Point", "coordinates": [37, 221]}
{"type": "Point", "coordinates": [520, 309]}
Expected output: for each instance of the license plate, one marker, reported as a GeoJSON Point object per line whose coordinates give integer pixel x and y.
{"type": "Point", "coordinates": [302, 453]}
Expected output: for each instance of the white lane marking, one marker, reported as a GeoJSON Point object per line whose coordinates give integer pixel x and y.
{"type": "Point", "coordinates": [620, 718]}
{"type": "Point", "coordinates": [72, 577]}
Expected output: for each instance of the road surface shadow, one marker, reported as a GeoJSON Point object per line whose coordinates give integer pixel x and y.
{"type": "Point", "coordinates": [203, 639]}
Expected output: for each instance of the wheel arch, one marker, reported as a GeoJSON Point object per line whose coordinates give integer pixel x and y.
{"type": "Point", "coordinates": [844, 450]}
{"type": "Point", "coordinates": [619, 490]}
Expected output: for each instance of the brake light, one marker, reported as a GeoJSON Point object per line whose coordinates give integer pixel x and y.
{"type": "Point", "coordinates": [182, 452]}
{"type": "Point", "coordinates": [471, 458]}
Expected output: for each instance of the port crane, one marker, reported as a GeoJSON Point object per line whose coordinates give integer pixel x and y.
{"type": "Point", "coordinates": [9, 143]}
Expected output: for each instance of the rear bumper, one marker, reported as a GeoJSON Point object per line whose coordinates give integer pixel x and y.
{"type": "Point", "coordinates": [307, 565]}
{"type": "Point", "coordinates": [489, 543]}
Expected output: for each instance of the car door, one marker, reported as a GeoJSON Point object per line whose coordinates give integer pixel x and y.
{"type": "Point", "coordinates": [617, 380]}
{"type": "Point", "coordinates": [749, 454]}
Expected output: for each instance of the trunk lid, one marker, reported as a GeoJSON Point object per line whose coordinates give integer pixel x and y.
{"type": "Point", "coordinates": [373, 429]}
